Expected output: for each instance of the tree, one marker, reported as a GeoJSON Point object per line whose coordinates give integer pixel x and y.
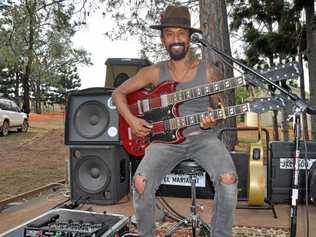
{"type": "Point", "coordinates": [309, 6]}
{"type": "Point", "coordinates": [36, 42]}
{"type": "Point", "coordinates": [269, 29]}
{"type": "Point", "coordinates": [292, 35]}
{"type": "Point", "coordinates": [213, 20]}
{"type": "Point", "coordinates": [65, 80]}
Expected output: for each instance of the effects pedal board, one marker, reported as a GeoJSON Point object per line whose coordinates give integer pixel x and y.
{"type": "Point", "coordinates": [67, 229]}
{"type": "Point", "coordinates": [71, 223]}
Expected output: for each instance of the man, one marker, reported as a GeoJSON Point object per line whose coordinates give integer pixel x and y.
{"type": "Point", "coordinates": [201, 143]}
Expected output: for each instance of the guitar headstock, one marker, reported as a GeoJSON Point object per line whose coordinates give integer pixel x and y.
{"type": "Point", "coordinates": [290, 70]}
{"type": "Point", "coordinates": [262, 105]}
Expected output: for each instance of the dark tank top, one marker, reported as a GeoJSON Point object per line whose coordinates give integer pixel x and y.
{"type": "Point", "coordinates": [192, 106]}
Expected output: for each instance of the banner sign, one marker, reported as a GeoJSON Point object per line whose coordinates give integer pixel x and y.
{"type": "Point", "coordinates": [184, 180]}
{"type": "Point", "coordinates": [287, 163]}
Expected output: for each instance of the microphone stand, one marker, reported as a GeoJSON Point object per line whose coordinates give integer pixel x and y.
{"type": "Point", "coordinates": [299, 107]}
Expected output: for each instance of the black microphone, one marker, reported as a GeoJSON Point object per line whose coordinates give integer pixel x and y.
{"type": "Point", "coordinates": [195, 38]}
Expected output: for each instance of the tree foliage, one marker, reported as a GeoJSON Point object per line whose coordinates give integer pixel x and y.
{"type": "Point", "coordinates": [272, 32]}
{"type": "Point", "coordinates": [36, 48]}
{"type": "Point", "coordinates": [269, 29]}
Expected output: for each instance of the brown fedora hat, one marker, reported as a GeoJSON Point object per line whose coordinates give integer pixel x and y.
{"type": "Point", "coordinates": [176, 16]}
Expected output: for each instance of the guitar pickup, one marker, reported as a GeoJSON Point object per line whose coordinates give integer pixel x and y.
{"type": "Point", "coordinates": [145, 105]}
{"type": "Point", "coordinates": [164, 100]}
{"type": "Point", "coordinates": [129, 134]}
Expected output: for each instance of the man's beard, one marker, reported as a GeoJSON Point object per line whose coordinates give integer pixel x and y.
{"type": "Point", "coordinates": [178, 55]}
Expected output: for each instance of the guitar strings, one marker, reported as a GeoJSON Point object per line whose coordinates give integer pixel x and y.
{"type": "Point", "coordinates": [221, 82]}
{"type": "Point", "coordinates": [272, 69]}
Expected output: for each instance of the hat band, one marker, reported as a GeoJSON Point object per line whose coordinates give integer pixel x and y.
{"type": "Point", "coordinates": [177, 21]}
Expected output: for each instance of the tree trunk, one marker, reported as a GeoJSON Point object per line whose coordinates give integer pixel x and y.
{"type": "Point", "coordinates": [31, 6]}
{"type": "Point", "coordinates": [311, 56]}
{"type": "Point", "coordinates": [275, 127]}
{"type": "Point", "coordinates": [38, 108]}
{"type": "Point", "coordinates": [213, 20]}
{"type": "Point", "coordinates": [17, 86]}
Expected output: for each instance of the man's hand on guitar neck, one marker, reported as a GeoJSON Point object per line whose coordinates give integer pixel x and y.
{"type": "Point", "coordinates": [140, 127]}
{"type": "Point", "coordinates": [208, 121]}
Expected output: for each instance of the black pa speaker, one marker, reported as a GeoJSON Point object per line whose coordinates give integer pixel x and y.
{"type": "Point", "coordinates": [98, 174]}
{"type": "Point", "coordinates": [280, 169]}
{"type": "Point", "coordinates": [312, 183]}
{"type": "Point", "coordinates": [207, 191]}
{"type": "Point", "coordinates": [118, 70]}
{"type": "Point", "coordinates": [91, 118]}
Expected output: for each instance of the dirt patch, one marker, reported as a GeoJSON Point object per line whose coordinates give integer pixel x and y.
{"type": "Point", "coordinates": [33, 159]}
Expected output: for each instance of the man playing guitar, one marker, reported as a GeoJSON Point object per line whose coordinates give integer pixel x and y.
{"type": "Point", "coordinates": [201, 143]}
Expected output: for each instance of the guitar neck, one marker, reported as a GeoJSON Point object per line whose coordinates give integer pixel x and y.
{"type": "Point", "coordinates": [276, 73]}
{"type": "Point", "coordinates": [205, 90]}
{"type": "Point", "coordinates": [194, 119]}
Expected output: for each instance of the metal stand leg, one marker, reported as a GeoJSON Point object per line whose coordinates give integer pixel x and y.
{"type": "Point", "coordinates": [194, 219]}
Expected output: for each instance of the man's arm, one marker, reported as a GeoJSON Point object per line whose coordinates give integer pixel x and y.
{"type": "Point", "coordinates": [143, 78]}
{"type": "Point", "coordinates": [212, 75]}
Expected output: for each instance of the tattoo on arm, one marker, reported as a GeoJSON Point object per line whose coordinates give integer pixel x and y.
{"type": "Point", "coordinates": [213, 74]}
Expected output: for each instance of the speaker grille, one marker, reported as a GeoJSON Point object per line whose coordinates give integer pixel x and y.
{"type": "Point", "coordinates": [93, 174]}
{"type": "Point", "coordinates": [91, 119]}
{"type": "Point", "coordinates": [120, 79]}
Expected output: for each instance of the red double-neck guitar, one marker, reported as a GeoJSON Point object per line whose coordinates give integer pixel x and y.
{"type": "Point", "coordinates": [160, 108]}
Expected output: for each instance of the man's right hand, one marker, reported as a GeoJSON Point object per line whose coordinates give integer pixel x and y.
{"type": "Point", "coordinates": [140, 127]}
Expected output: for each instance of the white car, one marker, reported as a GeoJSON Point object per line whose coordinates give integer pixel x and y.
{"type": "Point", "coordinates": [12, 117]}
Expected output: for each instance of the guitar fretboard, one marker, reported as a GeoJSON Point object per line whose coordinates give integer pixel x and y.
{"type": "Point", "coordinates": [190, 120]}
{"type": "Point", "coordinates": [207, 89]}
{"type": "Point", "coordinates": [276, 73]}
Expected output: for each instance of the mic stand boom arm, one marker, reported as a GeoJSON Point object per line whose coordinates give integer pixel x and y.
{"type": "Point", "coordinates": [301, 104]}
{"type": "Point", "coordinates": [299, 107]}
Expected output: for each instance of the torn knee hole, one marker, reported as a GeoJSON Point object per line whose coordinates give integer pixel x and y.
{"type": "Point", "coordinates": [228, 179]}
{"type": "Point", "coordinates": [139, 183]}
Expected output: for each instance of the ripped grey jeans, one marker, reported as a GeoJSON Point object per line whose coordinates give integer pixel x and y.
{"type": "Point", "coordinates": [160, 159]}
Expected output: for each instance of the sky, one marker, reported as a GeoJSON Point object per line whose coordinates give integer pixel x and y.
{"type": "Point", "coordinates": [91, 38]}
